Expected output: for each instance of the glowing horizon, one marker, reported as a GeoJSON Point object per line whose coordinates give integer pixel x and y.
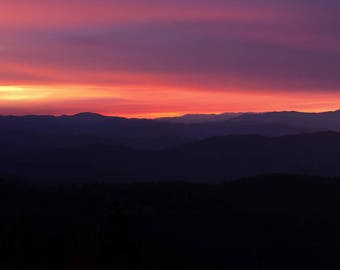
{"type": "Point", "coordinates": [30, 100]}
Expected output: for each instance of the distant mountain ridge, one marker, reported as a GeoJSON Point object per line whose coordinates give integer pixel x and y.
{"type": "Point", "coordinates": [325, 120]}
{"type": "Point", "coordinates": [209, 160]}
{"type": "Point", "coordinates": [88, 128]}
{"type": "Point", "coordinates": [33, 132]}
{"type": "Point", "coordinates": [199, 118]}
{"type": "Point", "coordinates": [295, 118]}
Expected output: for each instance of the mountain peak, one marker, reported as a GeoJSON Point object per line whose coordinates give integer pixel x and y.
{"type": "Point", "coordinates": [87, 115]}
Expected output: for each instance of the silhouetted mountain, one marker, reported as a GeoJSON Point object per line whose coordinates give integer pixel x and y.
{"type": "Point", "coordinates": [270, 222]}
{"type": "Point", "coordinates": [248, 155]}
{"type": "Point", "coordinates": [87, 115]}
{"type": "Point", "coordinates": [199, 118]}
{"type": "Point", "coordinates": [46, 132]}
{"type": "Point", "coordinates": [210, 160]}
{"type": "Point", "coordinates": [92, 147]}
{"type": "Point", "coordinates": [325, 120]}
{"type": "Point", "coordinates": [156, 134]}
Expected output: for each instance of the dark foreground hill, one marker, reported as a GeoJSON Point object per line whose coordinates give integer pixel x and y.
{"type": "Point", "coordinates": [210, 160]}
{"type": "Point", "coordinates": [270, 222]}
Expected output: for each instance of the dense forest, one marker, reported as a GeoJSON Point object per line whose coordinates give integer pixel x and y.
{"type": "Point", "coordinates": [267, 222]}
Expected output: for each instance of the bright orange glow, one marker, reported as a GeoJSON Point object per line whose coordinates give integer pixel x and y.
{"type": "Point", "coordinates": [152, 102]}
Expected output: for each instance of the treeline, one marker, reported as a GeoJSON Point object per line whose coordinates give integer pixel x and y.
{"type": "Point", "coordinates": [267, 222]}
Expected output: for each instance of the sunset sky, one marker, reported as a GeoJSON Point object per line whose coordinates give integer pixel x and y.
{"type": "Point", "coordinates": [151, 58]}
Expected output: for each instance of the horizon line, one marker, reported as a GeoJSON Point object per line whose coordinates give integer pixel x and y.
{"type": "Point", "coordinates": [165, 115]}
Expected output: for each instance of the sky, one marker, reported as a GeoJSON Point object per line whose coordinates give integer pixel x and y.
{"type": "Point", "coordinates": [153, 58]}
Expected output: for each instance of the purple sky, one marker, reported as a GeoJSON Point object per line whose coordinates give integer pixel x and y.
{"type": "Point", "coordinates": [158, 57]}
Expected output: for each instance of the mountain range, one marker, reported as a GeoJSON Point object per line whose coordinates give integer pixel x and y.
{"type": "Point", "coordinates": [209, 160]}
{"type": "Point", "coordinates": [199, 118]}
{"type": "Point", "coordinates": [324, 120]}
{"type": "Point", "coordinates": [88, 128]}
{"type": "Point", "coordinates": [92, 147]}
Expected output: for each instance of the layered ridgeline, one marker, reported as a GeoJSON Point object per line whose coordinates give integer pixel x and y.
{"type": "Point", "coordinates": [91, 147]}
{"type": "Point", "coordinates": [325, 120]}
{"type": "Point", "coordinates": [32, 132]}
{"type": "Point", "coordinates": [135, 132]}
